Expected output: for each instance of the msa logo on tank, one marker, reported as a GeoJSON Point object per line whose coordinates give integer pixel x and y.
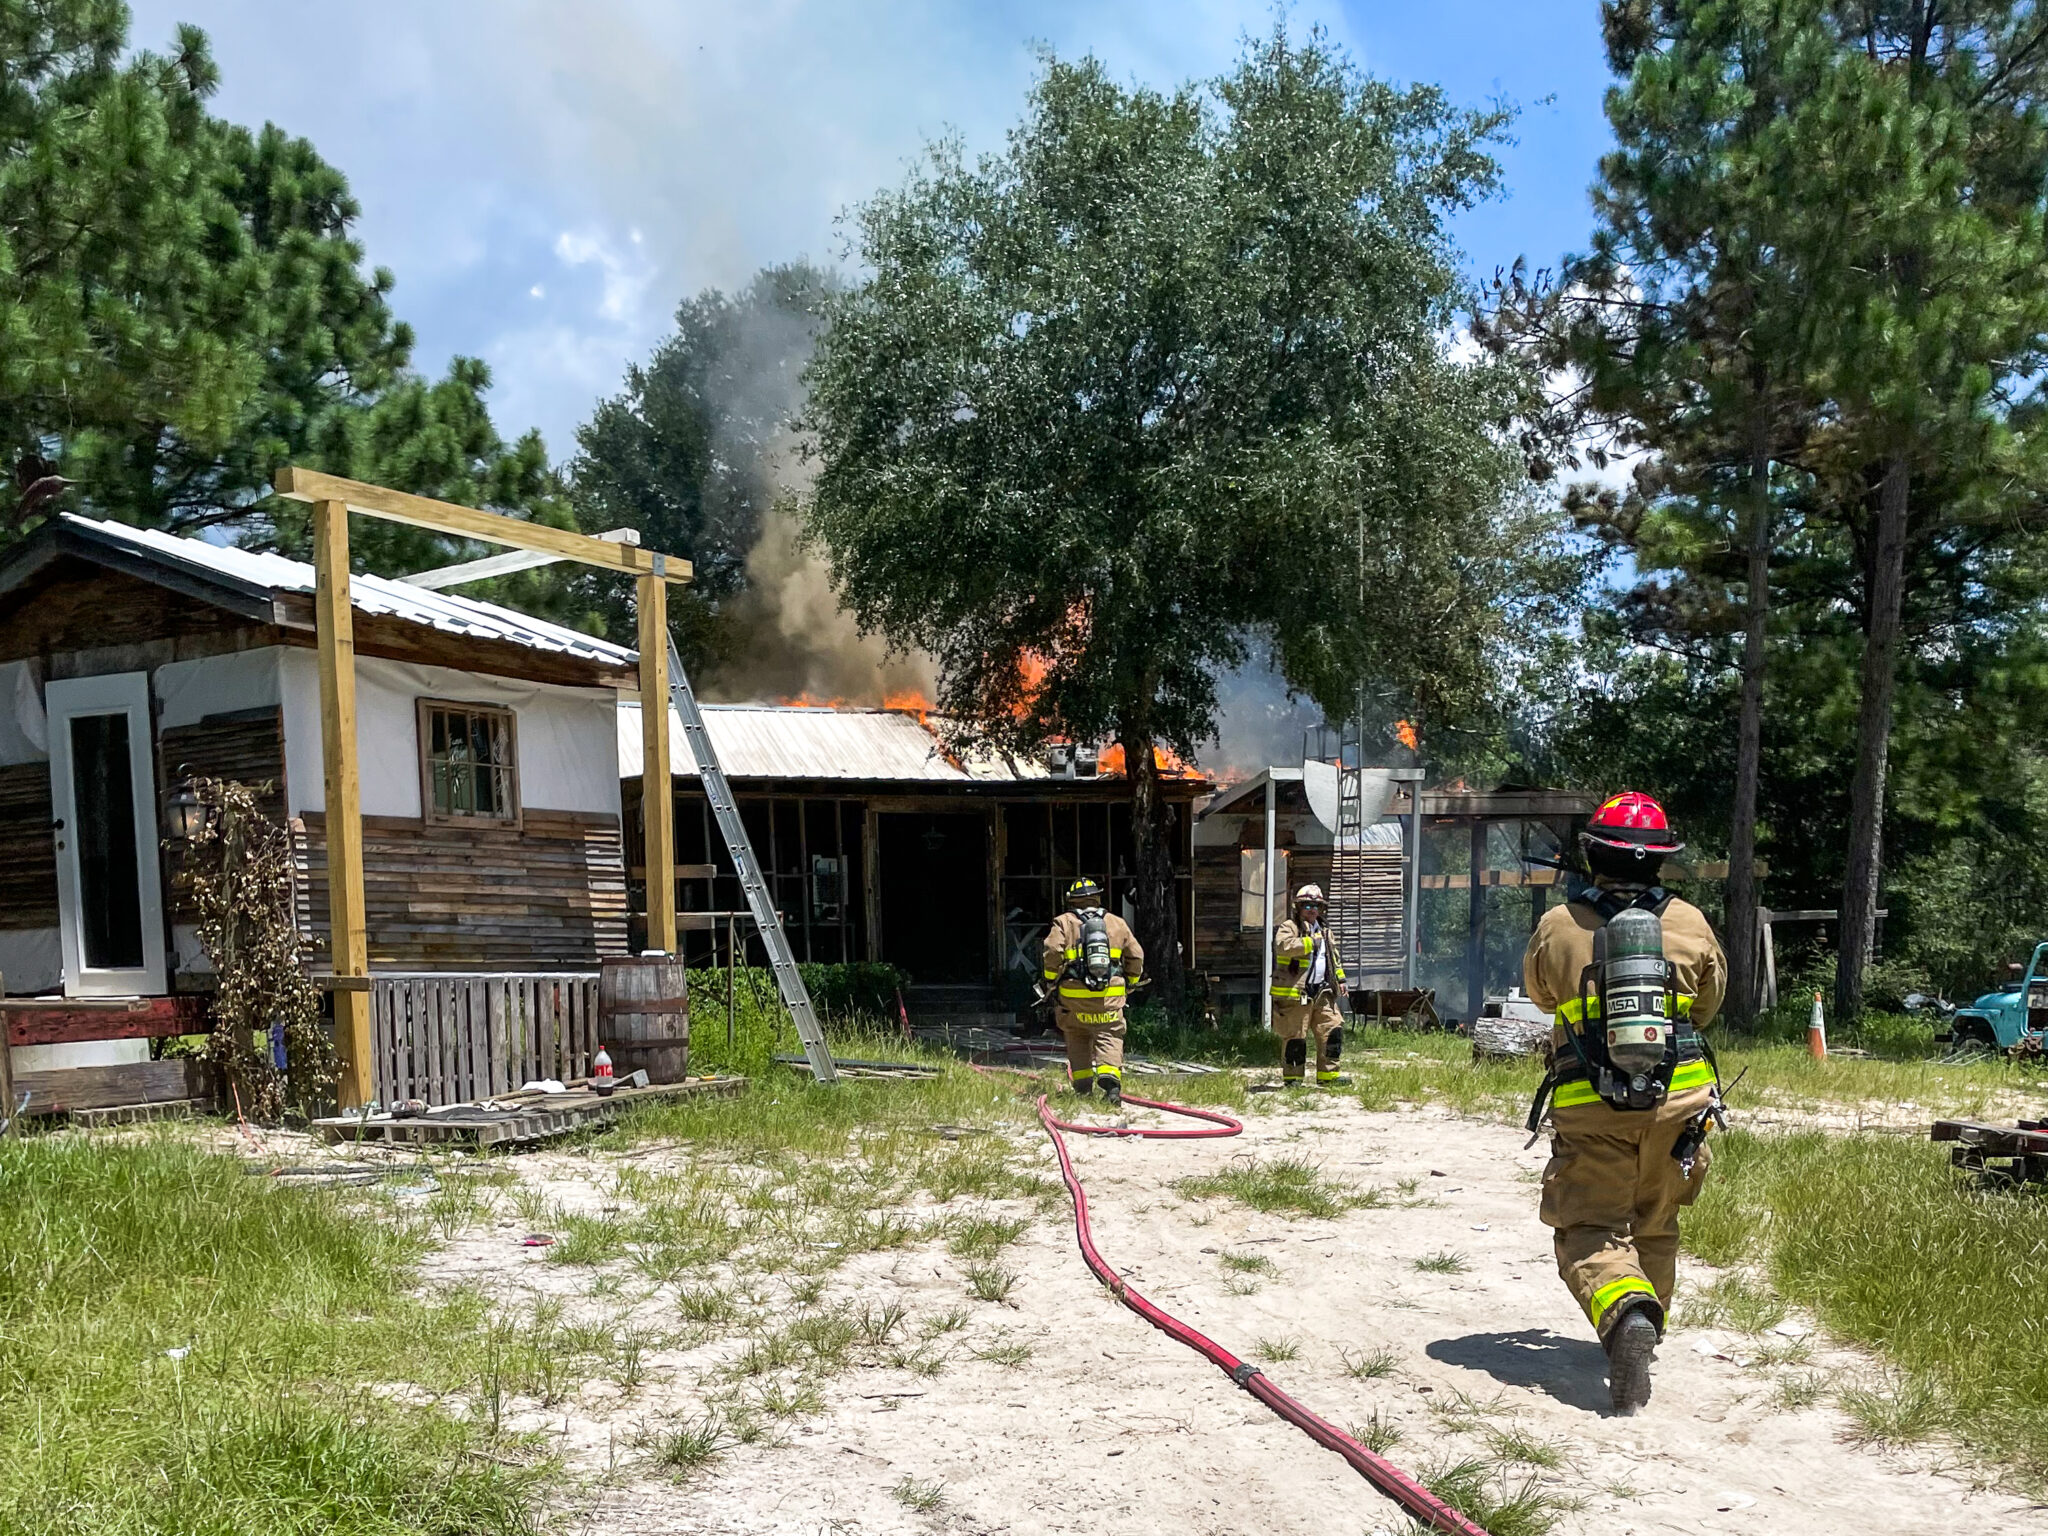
{"type": "Point", "coordinates": [1097, 967]}
{"type": "Point", "coordinates": [1637, 1009]}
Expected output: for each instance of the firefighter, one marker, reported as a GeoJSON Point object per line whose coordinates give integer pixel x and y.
{"type": "Point", "coordinates": [1092, 958]}
{"type": "Point", "coordinates": [1308, 979]}
{"type": "Point", "coordinates": [1631, 973]}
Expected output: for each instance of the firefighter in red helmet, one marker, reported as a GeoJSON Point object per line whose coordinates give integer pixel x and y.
{"type": "Point", "coordinates": [1631, 973]}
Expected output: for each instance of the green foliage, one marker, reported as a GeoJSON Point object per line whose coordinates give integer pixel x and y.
{"type": "Point", "coordinates": [198, 1351]}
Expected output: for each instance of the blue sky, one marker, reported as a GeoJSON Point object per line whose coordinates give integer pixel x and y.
{"type": "Point", "coordinates": [547, 178]}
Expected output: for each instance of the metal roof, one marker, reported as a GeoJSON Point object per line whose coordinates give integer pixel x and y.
{"type": "Point", "coordinates": [257, 572]}
{"type": "Point", "coordinates": [763, 741]}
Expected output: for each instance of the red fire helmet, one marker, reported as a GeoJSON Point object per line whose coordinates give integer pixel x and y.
{"type": "Point", "coordinates": [1630, 821]}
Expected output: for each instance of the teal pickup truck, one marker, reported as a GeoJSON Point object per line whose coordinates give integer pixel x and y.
{"type": "Point", "coordinates": [2014, 1018]}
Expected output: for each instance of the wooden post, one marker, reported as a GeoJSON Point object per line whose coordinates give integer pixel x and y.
{"type": "Point", "coordinates": [657, 787]}
{"type": "Point", "coordinates": [348, 938]}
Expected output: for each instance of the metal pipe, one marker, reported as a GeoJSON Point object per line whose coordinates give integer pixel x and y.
{"type": "Point", "coordinates": [1266, 973]}
{"type": "Point", "coordinates": [1411, 898]}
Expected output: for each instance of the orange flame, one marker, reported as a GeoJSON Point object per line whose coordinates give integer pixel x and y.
{"type": "Point", "coordinates": [909, 701]}
{"type": "Point", "coordinates": [809, 700]}
{"type": "Point", "coordinates": [1111, 762]}
{"type": "Point", "coordinates": [1406, 734]}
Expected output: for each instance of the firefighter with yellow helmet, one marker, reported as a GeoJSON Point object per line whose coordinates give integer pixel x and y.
{"type": "Point", "coordinates": [1092, 959]}
{"type": "Point", "coordinates": [1632, 973]}
{"type": "Point", "coordinates": [1308, 980]}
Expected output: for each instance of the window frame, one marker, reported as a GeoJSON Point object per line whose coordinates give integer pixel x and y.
{"type": "Point", "coordinates": [429, 813]}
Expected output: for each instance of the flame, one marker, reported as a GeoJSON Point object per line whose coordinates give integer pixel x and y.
{"type": "Point", "coordinates": [1110, 763]}
{"type": "Point", "coordinates": [910, 701]}
{"type": "Point", "coordinates": [809, 700]}
{"type": "Point", "coordinates": [1406, 734]}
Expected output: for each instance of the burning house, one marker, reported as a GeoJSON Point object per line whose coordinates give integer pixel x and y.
{"type": "Point", "coordinates": [881, 844]}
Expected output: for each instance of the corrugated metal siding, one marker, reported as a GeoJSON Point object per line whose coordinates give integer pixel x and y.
{"type": "Point", "coordinates": [369, 594]}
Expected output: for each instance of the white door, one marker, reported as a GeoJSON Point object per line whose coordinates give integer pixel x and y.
{"type": "Point", "coordinates": [103, 795]}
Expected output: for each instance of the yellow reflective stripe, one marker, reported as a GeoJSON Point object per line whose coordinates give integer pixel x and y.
{"type": "Point", "coordinates": [1091, 995]}
{"type": "Point", "coordinates": [1052, 975]}
{"type": "Point", "coordinates": [1608, 1294]}
{"type": "Point", "coordinates": [1330, 1076]}
{"type": "Point", "coordinates": [1288, 992]}
{"type": "Point", "coordinates": [1692, 1074]}
{"type": "Point", "coordinates": [1115, 953]}
{"type": "Point", "coordinates": [1107, 1069]}
{"type": "Point", "coordinates": [1077, 1073]}
{"type": "Point", "coordinates": [1073, 954]}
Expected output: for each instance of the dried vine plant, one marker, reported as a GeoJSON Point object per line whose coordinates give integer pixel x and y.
{"type": "Point", "coordinates": [238, 869]}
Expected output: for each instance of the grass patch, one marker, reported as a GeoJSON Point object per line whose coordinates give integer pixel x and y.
{"type": "Point", "coordinates": [1368, 1364]}
{"type": "Point", "coordinates": [1481, 1491]}
{"type": "Point", "coordinates": [1444, 1261]}
{"type": "Point", "coordinates": [1290, 1185]}
{"type": "Point", "coordinates": [201, 1350]}
{"type": "Point", "coordinates": [1889, 1248]}
{"type": "Point", "coordinates": [1281, 1350]}
{"type": "Point", "coordinates": [1249, 1264]}
{"type": "Point", "coordinates": [985, 1236]}
{"type": "Point", "coordinates": [990, 1282]}
{"type": "Point", "coordinates": [1377, 1434]}
{"type": "Point", "coordinates": [924, 1498]}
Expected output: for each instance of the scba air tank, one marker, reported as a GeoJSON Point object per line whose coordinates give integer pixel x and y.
{"type": "Point", "coordinates": [1635, 987]}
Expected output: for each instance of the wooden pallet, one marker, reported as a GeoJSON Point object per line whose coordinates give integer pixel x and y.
{"type": "Point", "coordinates": [2021, 1148]}
{"type": "Point", "coordinates": [515, 1118]}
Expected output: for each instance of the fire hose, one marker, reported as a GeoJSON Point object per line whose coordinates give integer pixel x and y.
{"type": "Point", "coordinates": [1377, 1470]}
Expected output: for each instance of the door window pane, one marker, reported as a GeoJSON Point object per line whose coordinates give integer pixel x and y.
{"type": "Point", "coordinates": [109, 882]}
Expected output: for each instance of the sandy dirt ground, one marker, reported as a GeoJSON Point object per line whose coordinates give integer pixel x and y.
{"type": "Point", "coordinates": [1112, 1427]}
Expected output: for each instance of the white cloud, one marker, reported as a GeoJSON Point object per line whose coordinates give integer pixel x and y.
{"type": "Point", "coordinates": [653, 148]}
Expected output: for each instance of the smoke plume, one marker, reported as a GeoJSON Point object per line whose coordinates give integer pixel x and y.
{"type": "Point", "coordinates": [792, 640]}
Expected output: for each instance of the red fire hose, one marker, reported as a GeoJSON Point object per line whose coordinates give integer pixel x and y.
{"type": "Point", "coordinates": [1381, 1473]}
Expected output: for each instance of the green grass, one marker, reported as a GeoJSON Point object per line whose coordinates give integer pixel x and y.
{"type": "Point", "coordinates": [1369, 1365]}
{"type": "Point", "coordinates": [1443, 1262]}
{"type": "Point", "coordinates": [191, 1350]}
{"type": "Point", "coordinates": [1889, 1248]}
{"type": "Point", "coordinates": [1480, 1490]}
{"type": "Point", "coordinates": [925, 1498]}
{"type": "Point", "coordinates": [990, 1282]}
{"type": "Point", "coordinates": [1280, 1350]}
{"type": "Point", "coordinates": [1281, 1184]}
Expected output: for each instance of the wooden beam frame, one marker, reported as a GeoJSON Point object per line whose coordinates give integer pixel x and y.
{"type": "Point", "coordinates": [333, 498]}
{"type": "Point", "coordinates": [297, 484]}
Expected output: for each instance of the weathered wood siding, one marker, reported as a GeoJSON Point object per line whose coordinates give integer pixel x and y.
{"type": "Point", "coordinates": [246, 746]}
{"type": "Point", "coordinates": [549, 895]}
{"type": "Point", "coordinates": [28, 850]}
{"type": "Point", "coordinates": [1223, 948]}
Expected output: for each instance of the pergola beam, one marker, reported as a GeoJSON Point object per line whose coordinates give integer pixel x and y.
{"type": "Point", "coordinates": [333, 498]}
{"type": "Point", "coordinates": [297, 484]}
{"type": "Point", "coordinates": [444, 576]}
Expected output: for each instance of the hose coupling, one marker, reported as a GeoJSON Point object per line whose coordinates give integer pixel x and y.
{"type": "Point", "coordinates": [1244, 1374]}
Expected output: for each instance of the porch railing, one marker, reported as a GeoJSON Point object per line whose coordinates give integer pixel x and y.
{"type": "Point", "coordinates": [450, 1038]}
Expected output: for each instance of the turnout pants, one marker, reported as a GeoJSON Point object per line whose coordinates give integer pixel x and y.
{"type": "Point", "coordinates": [1297, 1022]}
{"type": "Point", "coordinates": [1612, 1190]}
{"type": "Point", "coordinates": [1095, 1044]}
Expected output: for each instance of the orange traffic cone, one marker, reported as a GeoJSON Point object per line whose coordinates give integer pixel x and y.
{"type": "Point", "coordinates": [1817, 1032]}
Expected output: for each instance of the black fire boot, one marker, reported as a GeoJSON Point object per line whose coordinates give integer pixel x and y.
{"type": "Point", "coordinates": [1112, 1091]}
{"type": "Point", "coordinates": [1630, 1344]}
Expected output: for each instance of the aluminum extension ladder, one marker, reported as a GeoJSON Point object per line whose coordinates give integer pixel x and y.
{"type": "Point", "coordinates": [1347, 861]}
{"type": "Point", "coordinates": [760, 900]}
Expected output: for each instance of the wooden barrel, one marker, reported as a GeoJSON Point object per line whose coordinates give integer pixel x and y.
{"type": "Point", "coordinates": [643, 1013]}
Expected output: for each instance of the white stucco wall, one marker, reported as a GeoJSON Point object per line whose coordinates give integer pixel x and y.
{"type": "Point", "coordinates": [568, 737]}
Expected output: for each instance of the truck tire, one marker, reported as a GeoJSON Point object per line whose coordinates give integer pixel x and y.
{"type": "Point", "coordinates": [1972, 1034]}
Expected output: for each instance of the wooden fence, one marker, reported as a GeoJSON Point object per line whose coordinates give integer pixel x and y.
{"type": "Point", "coordinates": [450, 1039]}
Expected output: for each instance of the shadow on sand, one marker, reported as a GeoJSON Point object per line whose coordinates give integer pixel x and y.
{"type": "Point", "coordinates": [1574, 1371]}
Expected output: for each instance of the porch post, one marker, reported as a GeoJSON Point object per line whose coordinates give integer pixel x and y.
{"type": "Point", "coordinates": [657, 786]}
{"type": "Point", "coordinates": [349, 941]}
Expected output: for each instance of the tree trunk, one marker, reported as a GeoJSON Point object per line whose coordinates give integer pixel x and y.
{"type": "Point", "coordinates": [1873, 740]}
{"type": "Point", "coordinates": [1158, 924]}
{"type": "Point", "coordinates": [1740, 919]}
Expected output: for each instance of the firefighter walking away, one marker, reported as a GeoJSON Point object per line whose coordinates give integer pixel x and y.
{"type": "Point", "coordinates": [1632, 973]}
{"type": "Point", "coordinates": [1308, 980]}
{"type": "Point", "coordinates": [1092, 960]}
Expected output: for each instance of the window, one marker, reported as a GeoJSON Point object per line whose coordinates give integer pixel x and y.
{"type": "Point", "coordinates": [469, 766]}
{"type": "Point", "coordinates": [1251, 884]}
